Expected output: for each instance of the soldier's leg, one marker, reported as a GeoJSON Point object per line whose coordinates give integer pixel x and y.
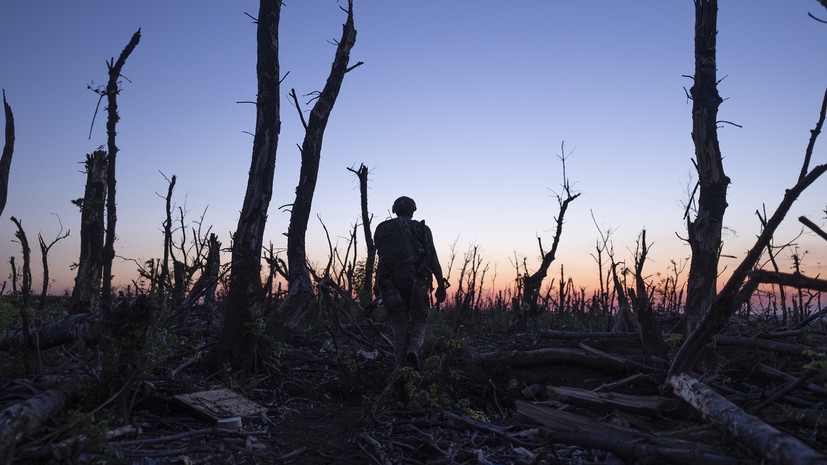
{"type": "Point", "coordinates": [419, 325]}
{"type": "Point", "coordinates": [399, 321]}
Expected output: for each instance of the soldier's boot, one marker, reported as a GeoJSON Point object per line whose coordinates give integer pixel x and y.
{"type": "Point", "coordinates": [415, 340]}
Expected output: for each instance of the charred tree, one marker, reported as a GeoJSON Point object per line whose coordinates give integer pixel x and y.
{"type": "Point", "coordinates": [704, 232]}
{"type": "Point", "coordinates": [531, 283]}
{"type": "Point", "coordinates": [44, 253]}
{"type": "Point", "coordinates": [8, 150]}
{"type": "Point", "coordinates": [163, 280]}
{"type": "Point", "coordinates": [111, 93]}
{"type": "Point", "coordinates": [650, 335]}
{"type": "Point", "coordinates": [90, 262]}
{"type": "Point", "coordinates": [366, 292]}
{"type": "Point", "coordinates": [245, 292]}
{"type": "Point", "coordinates": [26, 279]}
{"type": "Point", "coordinates": [300, 287]}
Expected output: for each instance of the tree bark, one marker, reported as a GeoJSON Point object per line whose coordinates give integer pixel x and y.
{"type": "Point", "coordinates": [300, 287]}
{"type": "Point", "coordinates": [90, 262]}
{"type": "Point", "coordinates": [8, 150]}
{"type": "Point", "coordinates": [763, 439]}
{"type": "Point", "coordinates": [705, 230]}
{"type": "Point", "coordinates": [245, 291]}
{"type": "Point", "coordinates": [111, 212]}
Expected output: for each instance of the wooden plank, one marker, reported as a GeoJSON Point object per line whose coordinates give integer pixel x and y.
{"type": "Point", "coordinates": [221, 403]}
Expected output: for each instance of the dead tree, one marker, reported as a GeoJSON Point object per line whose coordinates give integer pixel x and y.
{"type": "Point", "coordinates": [366, 293]}
{"type": "Point", "coordinates": [300, 287]}
{"type": "Point", "coordinates": [735, 291]}
{"type": "Point", "coordinates": [26, 281]}
{"type": "Point", "coordinates": [111, 93]}
{"type": "Point", "coordinates": [650, 335]}
{"type": "Point", "coordinates": [531, 283]}
{"type": "Point", "coordinates": [90, 262]}
{"type": "Point", "coordinates": [704, 232]}
{"type": "Point", "coordinates": [44, 253]}
{"type": "Point", "coordinates": [164, 277]}
{"type": "Point", "coordinates": [245, 292]}
{"type": "Point", "coordinates": [8, 150]}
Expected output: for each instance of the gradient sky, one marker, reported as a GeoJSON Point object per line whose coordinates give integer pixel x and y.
{"type": "Point", "coordinates": [462, 105]}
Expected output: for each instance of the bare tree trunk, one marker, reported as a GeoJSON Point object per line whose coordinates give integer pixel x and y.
{"type": "Point", "coordinates": [366, 293]}
{"type": "Point", "coordinates": [727, 301]}
{"type": "Point", "coordinates": [44, 252]}
{"type": "Point", "coordinates": [650, 335]}
{"type": "Point", "coordinates": [26, 286]}
{"type": "Point", "coordinates": [531, 283]}
{"type": "Point", "coordinates": [90, 262]}
{"type": "Point", "coordinates": [8, 150]}
{"type": "Point", "coordinates": [245, 291]}
{"type": "Point", "coordinates": [23, 418]}
{"type": "Point", "coordinates": [163, 280]}
{"type": "Point", "coordinates": [112, 121]}
{"type": "Point", "coordinates": [300, 288]}
{"type": "Point", "coordinates": [705, 229]}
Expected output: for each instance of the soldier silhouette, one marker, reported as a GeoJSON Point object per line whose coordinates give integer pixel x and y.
{"type": "Point", "coordinates": [407, 264]}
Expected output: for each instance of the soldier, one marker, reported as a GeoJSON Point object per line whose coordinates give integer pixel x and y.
{"type": "Point", "coordinates": [407, 263]}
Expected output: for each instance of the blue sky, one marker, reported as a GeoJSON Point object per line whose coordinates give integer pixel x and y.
{"type": "Point", "coordinates": [462, 105]}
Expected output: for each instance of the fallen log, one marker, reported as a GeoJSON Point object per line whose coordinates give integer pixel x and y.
{"type": "Point", "coordinates": [553, 356]}
{"type": "Point", "coordinates": [569, 428]}
{"type": "Point", "coordinates": [648, 405]}
{"type": "Point", "coordinates": [24, 417]}
{"type": "Point", "coordinates": [69, 329]}
{"type": "Point", "coordinates": [763, 439]}
{"type": "Point", "coordinates": [757, 343]}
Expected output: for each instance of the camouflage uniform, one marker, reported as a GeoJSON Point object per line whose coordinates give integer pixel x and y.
{"type": "Point", "coordinates": [404, 291]}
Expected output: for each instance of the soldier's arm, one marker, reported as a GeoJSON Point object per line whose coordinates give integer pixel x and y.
{"type": "Point", "coordinates": [433, 260]}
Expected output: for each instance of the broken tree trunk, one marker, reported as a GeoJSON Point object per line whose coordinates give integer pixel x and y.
{"type": "Point", "coordinates": [531, 283]}
{"type": "Point", "coordinates": [23, 418]}
{"type": "Point", "coordinates": [8, 150]}
{"type": "Point", "coordinates": [705, 230]}
{"type": "Point", "coordinates": [762, 438]}
{"type": "Point", "coordinates": [556, 356]}
{"type": "Point", "coordinates": [725, 304]}
{"type": "Point", "coordinates": [650, 335]}
{"type": "Point", "coordinates": [366, 292]}
{"type": "Point", "coordinates": [570, 428]}
{"type": "Point", "coordinates": [727, 301]}
{"type": "Point", "coordinates": [67, 330]}
{"type": "Point", "coordinates": [111, 93]}
{"type": "Point", "coordinates": [300, 287]}
{"type": "Point", "coordinates": [245, 295]}
{"type": "Point", "coordinates": [90, 262]}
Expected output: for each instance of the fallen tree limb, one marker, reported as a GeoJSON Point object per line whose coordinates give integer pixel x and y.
{"type": "Point", "coordinates": [552, 356]}
{"type": "Point", "coordinates": [570, 428]}
{"type": "Point", "coordinates": [24, 417]}
{"type": "Point", "coordinates": [648, 405]}
{"type": "Point", "coordinates": [763, 439]}
{"type": "Point", "coordinates": [766, 344]}
{"type": "Point", "coordinates": [72, 328]}
{"type": "Point", "coordinates": [796, 280]}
